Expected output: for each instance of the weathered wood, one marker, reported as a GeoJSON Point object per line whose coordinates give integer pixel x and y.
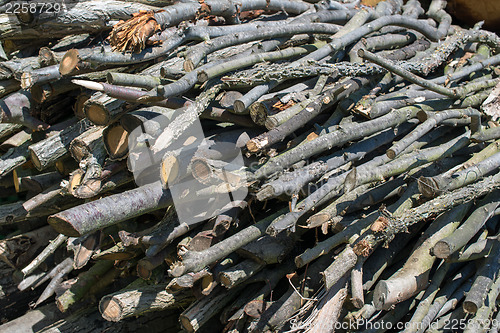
{"type": "Point", "coordinates": [126, 303]}
{"type": "Point", "coordinates": [89, 143]}
{"type": "Point", "coordinates": [110, 210]}
{"type": "Point", "coordinates": [19, 250]}
{"type": "Point", "coordinates": [484, 279]}
{"type": "Point", "coordinates": [448, 245]}
{"type": "Point", "coordinates": [46, 152]}
{"type": "Point", "coordinates": [88, 16]}
{"type": "Point", "coordinates": [53, 245]}
{"type": "Point", "coordinates": [194, 261]}
{"type": "Point", "coordinates": [330, 308]}
{"type": "Point", "coordinates": [83, 285]}
{"type": "Point", "coordinates": [194, 317]}
{"type": "Point", "coordinates": [36, 183]}
{"type": "Point", "coordinates": [16, 108]}
{"type": "Point", "coordinates": [342, 265]}
{"type": "Point", "coordinates": [239, 273]}
{"type": "Point", "coordinates": [254, 265]}
{"type": "Point", "coordinates": [115, 139]}
{"type": "Point", "coordinates": [414, 275]}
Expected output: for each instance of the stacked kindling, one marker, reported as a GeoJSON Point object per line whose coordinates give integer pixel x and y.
{"type": "Point", "coordinates": [248, 166]}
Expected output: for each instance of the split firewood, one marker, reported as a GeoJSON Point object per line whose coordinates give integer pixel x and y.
{"type": "Point", "coordinates": [248, 166]}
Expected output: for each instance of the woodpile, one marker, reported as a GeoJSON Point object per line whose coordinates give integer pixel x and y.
{"type": "Point", "coordinates": [364, 136]}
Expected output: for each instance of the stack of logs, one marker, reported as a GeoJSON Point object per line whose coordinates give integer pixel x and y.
{"type": "Point", "coordinates": [371, 145]}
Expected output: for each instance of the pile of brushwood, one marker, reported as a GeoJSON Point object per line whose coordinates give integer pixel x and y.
{"type": "Point", "coordinates": [357, 145]}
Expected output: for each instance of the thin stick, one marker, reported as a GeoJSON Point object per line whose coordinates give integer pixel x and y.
{"type": "Point", "coordinates": [407, 75]}
{"type": "Point", "coordinates": [53, 245]}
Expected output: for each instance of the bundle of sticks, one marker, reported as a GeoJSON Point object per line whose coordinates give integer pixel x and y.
{"type": "Point", "coordinates": [339, 163]}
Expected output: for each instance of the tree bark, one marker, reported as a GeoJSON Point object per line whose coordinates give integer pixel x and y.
{"type": "Point", "coordinates": [82, 17]}
{"type": "Point", "coordinates": [452, 243]}
{"type": "Point", "coordinates": [414, 275]}
{"type": "Point", "coordinates": [198, 313]}
{"type": "Point", "coordinates": [91, 216]}
{"type": "Point", "coordinates": [134, 302]}
{"type": "Point", "coordinates": [194, 261]}
{"type": "Point", "coordinates": [46, 152]}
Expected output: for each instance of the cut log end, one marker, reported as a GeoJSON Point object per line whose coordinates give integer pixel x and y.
{"type": "Point", "coordinates": [144, 271]}
{"type": "Point", "coordinates": [225, 280]}
{"type": "Point", "coordinates": [60, 305]}
{"type": "Point", "coordinates": [75, 180]}
{"type": "Point", "coordinates": [202, 77]}
{"type": "Point", "coordinates": [78, 149]}
{"type": "Point", "coordinates": [379, 295]}
{"type": "Point", "coordinates": [255, 308]}
{"type": "Point", "coordinates": [17, 184]}
{"type": "Point", "coordinates": [351, 180]}
{"type": "Point", "coordinates": [110, 309]}
{"type": "Point", "coordinates": [469, 307]}
{"type": "Point", "coordinates": [69, 62]}
{"type": "Point", "coordinates": [201, 171]}
{"type": "Point", "coordinates": [26, 80]}
{"type": "Point", "coordinates": [39, 93]}
{"type": "Point", "coordinates": [46, 56]}
{"type": "Point", "coordinates": [207, 284]}
{"type": "Point", "coordinates": [35, 160]}
{"type": "Point", "coordinates": [169, 169]}
{"type": "Point", "coordinates": [422, 116]}
{"type": "Point", "coordinates": [258, 113]}
{"type": "Point", "coordinates": [110, 78]}
{"type": "Point", "coordinates": [391, 154]}
{"type": "Point", "coordinates": [357, 302]}
{"type": "Point", "coordinates": [187, 325]}
{"type": "Point", "coordinates": [62, 226]}
{"type": "Point", "coordinates": [96, 113]}
{"type": "Point", "coordinates": [116, 141]}
{"type": "Point", "coordinates": [228, 98]}
{"type": "Point", "coordinates": [253, 146]}
{"type": "Point", "coordinates": [86, 250]}
{"type": "Point", "coordinates": [442, 250]}
{"type": "Point", "coordinates": [25, 18]}
{"type": "Point", "coordinates": [271, 123]}
{"type": "Point", "coordinates": [79, 104]}
{"type": "Point", "coordinates": [239, 107]}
